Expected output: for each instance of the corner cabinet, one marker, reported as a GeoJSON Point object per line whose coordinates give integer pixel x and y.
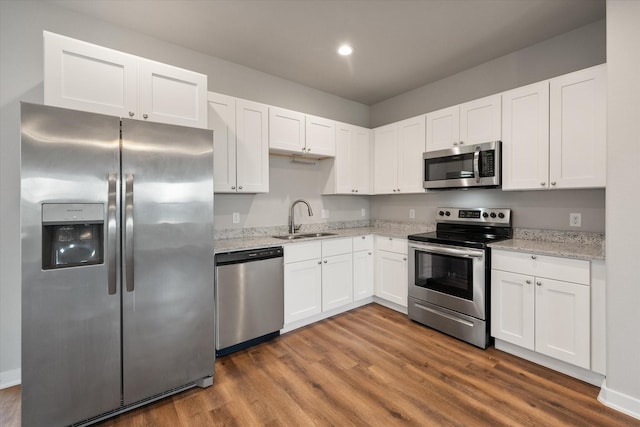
{"type": "Point", "coordinates": [349, 172]}
{"type": "Point", "coordinates": [554, 133]}
{"type": "Point", "coordinates": [398, 150]}
{"type": "Point", "coordinates": [543, 304]}
{"type": "Point", "coordinates": [473, 122]}
{"type": "Point", "coordinates": [241, 163]}
{"type": "Point", "coordinates": [87, 77]}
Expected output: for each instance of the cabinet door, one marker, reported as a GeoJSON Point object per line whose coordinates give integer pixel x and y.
{"type": "Point", "coordinates": [386, 159]}
{"type": "Point", "coordinates": [443, 128]}
{"type": "Point", "coordinates": [252, 147]}
{"type": "Point", "coordinates": [171, 95]}
{"type": "Point", "coordinates": [222, 120]}
{"type": "Point", "coordinates": [362, 274]}
{"type": "Point", "coordinates": [286, 131]}
{"type": "Point", "coordinates": [512, 308]}
{"type": "Point", "coordinates": [391, 277]}
{"type": "Point", "coordinates": [411, 146]}
{"type": "Point", "coordinates": [320, 136]}
{"type": "Point", "coordinates": [86, 77]}
{"type": "Point", "coordinates": [480, 120]}
{"type": "Point", "coordinates": [563, 322]}
{"type": "Point", "coordinates": [360, 160]}
{"type": "Point", "coordinates": [525, 137]}
{"type": "Point", "coordinates": [343, 171]}
{"type": "Point", "coordinates": [302, 290]}
{"type": "Point", "coordinates": [337, 281]}
{"type": "Point", "coordinates": [578, 129]}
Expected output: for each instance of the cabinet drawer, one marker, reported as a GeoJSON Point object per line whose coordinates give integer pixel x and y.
{"type": "Point", "coordinates": [302, 252]}
{"type": "Point", "coordinates": [564, 269]}
{"type": "Point", "coordinates": [336, 247]}
{"type": "Point", "coordinates": [363, 243]}
{"type": "Point", "coordinates": [391, 244]}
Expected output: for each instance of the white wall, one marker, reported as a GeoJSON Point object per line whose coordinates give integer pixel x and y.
{"type": "Point", "coordinates": [531, 209]}
{"type": "Point", "coordinates": [21, 74]}
{"type": "Point", "coordinates": [622, 388]}
{"type": "Point", "coordinates": [577, 49]}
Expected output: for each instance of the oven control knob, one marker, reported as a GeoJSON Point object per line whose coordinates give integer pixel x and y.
{"type": "Point", "coordinates": [493, 214]}
{"type": "Point", "coordinates": [500, 215]}
{"type": "Point", "coordinates": [485, 215]}
{"type": "Point", "coordinates": [447, 213]}
{"type": "Point", "coordinates": [441, 213]}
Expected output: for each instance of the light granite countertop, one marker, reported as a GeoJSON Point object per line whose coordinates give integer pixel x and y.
{"type": "Point", "coordinates": [587, 246]}
{"type": "Point", "coordinates": [380, 228]}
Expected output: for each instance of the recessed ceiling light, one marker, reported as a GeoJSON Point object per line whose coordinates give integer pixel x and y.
{"type": "Point", "coordinates": [345, 50]}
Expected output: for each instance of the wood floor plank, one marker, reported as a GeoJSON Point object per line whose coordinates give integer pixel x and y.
{"type": "Point", "coordinates": [370, 366]}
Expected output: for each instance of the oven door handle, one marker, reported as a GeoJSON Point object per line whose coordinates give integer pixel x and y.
{"type": "Point", "coordinates": [450, 251]}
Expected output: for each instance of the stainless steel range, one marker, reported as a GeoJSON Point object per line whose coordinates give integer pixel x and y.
{"type": "Point", "coordinates": [449, 271]}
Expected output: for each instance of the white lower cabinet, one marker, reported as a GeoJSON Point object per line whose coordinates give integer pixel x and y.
{"type": "Point", "coordinates": [542, 303]}
{"type": "Point", "coordinates": [318, 276]}
{"type": "Point", "coordinates": [363, 267]}
{"type": "Point", "coordinates": [391, 274]}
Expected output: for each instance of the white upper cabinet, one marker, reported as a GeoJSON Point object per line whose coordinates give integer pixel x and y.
{"type": "Point", "coordinates": [525, 137]}
{"type": "Point", "coordinates": [87, 77]}
{"type": "Point", "coordinates": [320, 136]}
{"type": "Point", "coordinates": [473, 122]}
{"type": "Point", "coordinates": [554, 133]}
{"type": "Point", "coordinates": [241, 163]}
{"type": "Point", "coordinates": [349, 173]}
{"type": "Point", "coordinates": [291, 132]}
{"type": "Point", "coordinates": [578, 136]}
{"type": "Point", "coordinates": [398, 150]}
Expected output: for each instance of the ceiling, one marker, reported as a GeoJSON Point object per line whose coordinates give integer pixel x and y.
{"type": "Point", "coordinates": [399, 44]}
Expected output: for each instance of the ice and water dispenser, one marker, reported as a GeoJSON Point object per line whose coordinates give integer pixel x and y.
{"type": "Point", "coordinates": [72, 234]}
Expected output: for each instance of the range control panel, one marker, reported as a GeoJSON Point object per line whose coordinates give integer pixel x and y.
{"type": "Point", "coordinates": [500, 216]}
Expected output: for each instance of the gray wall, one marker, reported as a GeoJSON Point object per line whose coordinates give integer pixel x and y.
{"type": "Point", "coordinates": [21, 75]}
{"type": "Point", "coordinates": [548, 209]}
{"type": "Point", "coordinates": [577, 49]}
{"type": "Point", "coordinates": [622, 388]}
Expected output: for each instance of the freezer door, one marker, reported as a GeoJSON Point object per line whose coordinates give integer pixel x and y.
{"type": "Point", "coordinates": [168, 294]}
{"type": "Point", "coordinates": [70, 301]}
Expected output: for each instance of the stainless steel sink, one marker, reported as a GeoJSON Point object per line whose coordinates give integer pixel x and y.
{"type": "Point", "coordinates": [303, 236]}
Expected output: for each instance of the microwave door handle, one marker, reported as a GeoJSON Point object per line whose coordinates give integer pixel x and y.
{"type": "Point", "coordinates": [111, 232]}
{"type": "Point", "coordinates": [476, 164]}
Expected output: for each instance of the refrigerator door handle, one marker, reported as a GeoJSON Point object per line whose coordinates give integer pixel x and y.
{"type": "Point", "coordinates": [111, 231]}
{"type": "Point", "coordinates": [128, 233]}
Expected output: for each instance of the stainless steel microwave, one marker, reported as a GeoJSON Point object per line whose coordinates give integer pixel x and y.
{"type": "Point", "coordinates": [467, 166]}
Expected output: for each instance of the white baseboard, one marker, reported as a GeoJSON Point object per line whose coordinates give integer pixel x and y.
{"type": "Point", "coordinates": [619, 401]}
{"type": "Point", "coordinates": [10, 378]}
{"type": "Point", "coordinates": [325, 315]}
{"type": "Point", "coordinates": [392, 305]}
{"type": "Point", "coordinates": [582, 374]}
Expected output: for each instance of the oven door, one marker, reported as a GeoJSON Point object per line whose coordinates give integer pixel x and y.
{"type": "Point", "coordinates": [452, 277]}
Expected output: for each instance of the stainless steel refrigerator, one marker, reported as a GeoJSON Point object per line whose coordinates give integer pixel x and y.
{"type": "Point", "coordinates": [117, 263]}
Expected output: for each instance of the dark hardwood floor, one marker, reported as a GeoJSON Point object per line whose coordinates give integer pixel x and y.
{"type": "Point", "coordinates": [370, 366]}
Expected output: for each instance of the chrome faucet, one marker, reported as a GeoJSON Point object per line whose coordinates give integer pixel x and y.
{"type": "Point", "coordinates": [292, 225]}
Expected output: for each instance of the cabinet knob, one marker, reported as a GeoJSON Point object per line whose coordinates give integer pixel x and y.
{"type": "Point", "coordinates": [233, 187]}
{"type": "Point", "coordinates": [542, 184]}
{"type": "Point", "coordinates": [534, 257]}
{"type": "Point", "coordinates": [461, 142]}
{"type": "Point", "coordinates": [240, 188]}
{"type": "Point", "coordinates": [404, 259]}
{"type": "Point", "coordinates": [131, 114]}
{"type": "Point", "coordinates": [398, 190]}
{"type": "Point", "coordinates": [390, 238]}
{"type": "Point", "coordinates": [145, 116]}
{"type": "Point", "coordinates": [369, 253]}
{"type": "Point", "coordinates": [539, 283]}
{"type": "Point", "coordinates": [455, 144]}
{"type": "Point", "coordinates": [308, 149]}
{"type": "Point", "coordinates": [319, 262]}
{"type": "Point", "coordinates": [325, 261]}
{"type": "Point", "coordinates": [356, 191]}
{"type": "Point", "coordinates": [363, 237]}
{"type": "Point", "coordinates": [528, 282]}
{"type": "Point", "coordinates": [553, 183]}
{"type": "Point", "coordinates": [394, 190]}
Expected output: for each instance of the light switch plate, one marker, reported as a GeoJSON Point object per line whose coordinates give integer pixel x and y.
{"type": "Point", "coordinates": [412, 213]}
{"type": "Point", "coordinates": [363, 212]}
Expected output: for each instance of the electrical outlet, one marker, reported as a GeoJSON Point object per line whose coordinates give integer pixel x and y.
{"type": "Point", "coordinates": [325, 213]}
{"type": "Point", "coordinates": [575, 219]}
{"type": "Point", "coordinates": [412, 213]}
{"type": "Point", "coordinates": [363, 212]}
{"type": "Point", "coordinates": [236, 217]}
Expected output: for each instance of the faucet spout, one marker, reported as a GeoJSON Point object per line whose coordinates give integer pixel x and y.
{"type": "Point", "coordinates": [292, 225]}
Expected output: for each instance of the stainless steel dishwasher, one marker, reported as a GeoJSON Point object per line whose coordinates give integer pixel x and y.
{"type": "Point", "coordinates": [249, 288]}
